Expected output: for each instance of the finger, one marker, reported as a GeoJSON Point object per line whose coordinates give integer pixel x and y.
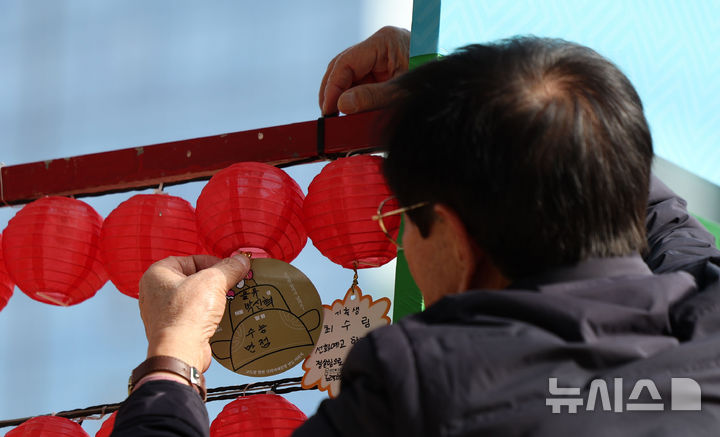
{"type": "Point", "coordinates": [367, 97]}
{"type": "Point", "coordinates": [323, 84]}
{"type": "Point", "coordinates": [204, 261]}
{"type": "Point", "coordinates": [381, 57]}
{"type": "Point", "coordinates": [186, 265]}
{"type": "Point", "coordinates": [350, 67]}
{"type": "Point", "coordinates": [399, 55]}
{"type": "Point", "coordinates": [231, 271]}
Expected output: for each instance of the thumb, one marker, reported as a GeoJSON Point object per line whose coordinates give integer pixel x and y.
{"type": "Point", "coordinates": [233, 269]}
{"type": "Point", "coordinates": [367, 97]}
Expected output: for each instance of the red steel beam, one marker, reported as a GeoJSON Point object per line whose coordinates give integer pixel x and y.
{"type": "Point", "coordinates": [187, 160]}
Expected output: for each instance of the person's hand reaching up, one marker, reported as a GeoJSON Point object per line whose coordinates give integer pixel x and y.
{"type": "Point", "coordinates": [359, 78]}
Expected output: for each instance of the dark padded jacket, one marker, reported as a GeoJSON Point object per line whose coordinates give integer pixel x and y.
{"type": "Point", "coordinates": [481, 363]}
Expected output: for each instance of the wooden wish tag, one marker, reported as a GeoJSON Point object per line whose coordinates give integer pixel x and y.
{"type": "Point", "coordinates": [344, 323]}
{"type": "Point", "coordinates": [272, 321]}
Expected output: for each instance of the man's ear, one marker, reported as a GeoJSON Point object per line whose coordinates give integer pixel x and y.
{"type": "Point", "coordinates": [458, 246]}
{"type": "Point", "coordinates": [472, 264]}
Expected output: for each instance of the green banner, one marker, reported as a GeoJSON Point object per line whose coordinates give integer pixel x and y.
{"type": "Point", "coordinates": [712, 227]}
{"type": "Point", "coordinates": [421, 59]}
{"type": "Point", "coordinates": [407, 299]}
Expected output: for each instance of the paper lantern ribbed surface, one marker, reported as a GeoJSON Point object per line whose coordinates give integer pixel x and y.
{"type": "Point", "coordinates": [263, 415]}
{"type": "Point", "coordinates": [338, 211]}
{"type": "Point", "coordinates": [107, 427]}
{"type": "Point", "coordinates": [52, 251]}
{"type": "Point", "coordinates": [6, 284]}
{"type": "Point", "coordinates": [252, 207]}
{"type": "Point", "coordinates": [144, 229]}
{"type": "Point", "coordinates": [48, 426]}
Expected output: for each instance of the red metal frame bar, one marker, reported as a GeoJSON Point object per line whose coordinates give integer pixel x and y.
{"type": "Point", "coordinates": [187, 160]}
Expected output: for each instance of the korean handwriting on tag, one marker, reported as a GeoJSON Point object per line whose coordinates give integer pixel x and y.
{"type": "Point", "coordinates": [344, 323]}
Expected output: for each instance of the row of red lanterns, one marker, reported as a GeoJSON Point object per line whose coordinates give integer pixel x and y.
{"type": "Point", "coordinates": [262, 415]}
{"type": "Point", "coordinates": [60, 251]}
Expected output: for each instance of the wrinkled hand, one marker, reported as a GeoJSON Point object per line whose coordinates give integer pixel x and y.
{"type": "Point", "coordinates": [182, 300]}
{"type": "Point", "coordinates": [357, 79]}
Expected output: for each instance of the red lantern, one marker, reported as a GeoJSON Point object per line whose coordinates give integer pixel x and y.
{"type": "Point", "coordinates": [6, 284]}
{"type": "Point", "coordinates": [338, 213]}
{"type": "Point", "coordinates": [52, 251]}
{"type": "Point", "coordinates": [48, 426]}
{"type": "Point", "coordinates": [263, 415]}
{"type": "Point", "coordinates": [252, 207]}
{"type": "Point", "coordinates": [107, 426]}
{"type": "Point", "coordinates": [144, 229]}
